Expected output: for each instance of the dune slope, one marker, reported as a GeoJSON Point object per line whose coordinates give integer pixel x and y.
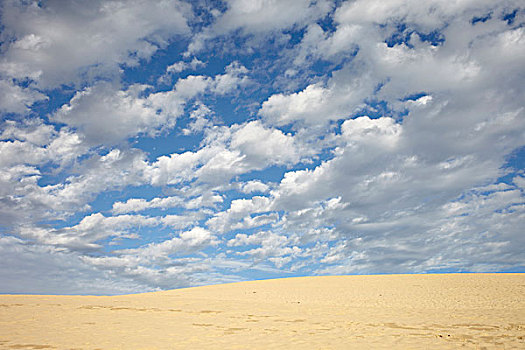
{"type": "Point", "coordinates": [340, 312]}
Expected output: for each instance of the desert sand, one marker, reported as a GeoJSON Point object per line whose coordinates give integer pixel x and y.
{"type": "Point", "coordinates": [445, 311]}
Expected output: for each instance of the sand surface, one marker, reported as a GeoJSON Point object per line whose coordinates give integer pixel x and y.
{"type": "Point", "coordinates": [370, 312]}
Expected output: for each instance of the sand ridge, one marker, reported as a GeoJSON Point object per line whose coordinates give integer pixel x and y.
{"type": "Point", "coordinates": [446, 311]}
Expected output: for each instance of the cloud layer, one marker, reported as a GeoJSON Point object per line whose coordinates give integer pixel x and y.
{"type": "Point", "coordinates": [148, 146]}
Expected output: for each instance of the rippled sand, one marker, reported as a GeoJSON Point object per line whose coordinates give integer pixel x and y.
{"type": "Point", "coordinates": [369, 312]}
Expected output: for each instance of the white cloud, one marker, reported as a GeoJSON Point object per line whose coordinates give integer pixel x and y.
{"type": "Point", "coordinates": [267, 15]}
{"type": "Point", "coordinates": [58, 43]}
{"type": "Point", "coordinates": [520, 182]}
{"type": "Point", "coordinates": [254, 186]}
{"type": "Point", "coordinates": [319, 103]}
{"type": "Point", "coordinates": [180, 222]}
{"type": "Point", "coordinates": [263, 146]}
{"type": "Point", "coordinates": [180, 66]}
{"type": "Point", "coordinates": [140, 204]}
{"type": "Point", "coordinates": [278, 249]}
{"type": "Point", "coordinates": [15, 99]}
{"type": "Point", "coordinates": [241, 209]}
{"type": "Point", "coordinates": [89, 231]}
{"type": "Point", "coordinates": [201, 120]}
{"type": "Point", "coordinates": [34, 142]}
{"type": "Point", "coordinates": [105, 115]}
{"type": "Point", "coordinates": [36, 269]}
{"type": "Point", "coordinates": [186, 243]}
{"type": "Point", "coordinates": [228, 151]}
{"type": "Point", "coordinates": [260, 17]}
{"type": "Point", "coordinates": [167, 264]}
{"type": "Point", "coordinates": [27, 201]}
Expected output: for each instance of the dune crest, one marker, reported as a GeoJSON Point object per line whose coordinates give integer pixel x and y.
{"type": "Point", "coordinates": [444, 311]}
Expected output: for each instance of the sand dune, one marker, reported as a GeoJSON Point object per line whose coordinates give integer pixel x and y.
{"type": "Point", "coordinates": [346, 312]}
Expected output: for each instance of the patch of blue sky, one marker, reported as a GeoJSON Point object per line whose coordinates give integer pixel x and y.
{"type": "Point", "coordinates": [295, 36]}
{"type": "Point", "coordinates": [323, 67]}
{"type": "Point", "coordinates": [235, 108]}
{"type": "Point", "coordinates": [448, 270]}
{"type": "Point", "coordinates": [270, 174]}
{"type": "Point", "coordinates": [514, 165]}
{"type": "Point", "coordinates": [403, 33]}
{"type": "Point", "coordinates": [145, 235]}
{"type": "Point", "coordinates": [414, 96]}
{"type": "Point", "coordinates": [225, 110]}
{"type": "Point", "coordinates": [513, 269]}
{"type": "Point", "coordinates": [45, 107]}
{"type": "Point", "coordinates": [202, 13]}
{"type": "Point", "coordinates": [510, 16]}
{"type": "Point", "coordinates": [378, 109]}
{"type": "Point", "coordinates": [374, 109]}
{"type": "Point", "coordinates": [481, 19]}
{"type": "Point", "coordinates": [327, 23]}
{"type": "Point", "coordinates": [255, 273]}
{"type": "Point", "coordinates": [168, 143]}
{"type": "Point", "coordinates": [148, 71]}
{"type": "Point", "coordinates": [50, 174]}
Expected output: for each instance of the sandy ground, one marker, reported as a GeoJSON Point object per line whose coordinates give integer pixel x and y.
{"type": "Point", "coordinates": [370, 312]}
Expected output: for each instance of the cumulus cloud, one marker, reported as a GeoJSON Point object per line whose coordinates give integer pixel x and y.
{"type": "Point", "coordinates": [47, 270]}
{"type": "Point", "coordinates": [261, 145]}
{"type": "Point", "coordinates": [16, 99]}
{"type": "Point", "coordinates": [140, 204]}
{"type": "Point", "coordinates": [88, 232]}
{"type": "Point", "coordinates": [166, 265]}
{"type": "Point", "coordinates": [75, 35]}
{"type": "Point", "coordinates": [261, 17]}
{"type": "Point", "coordinates": [278, 249]}
{"type": "Point", "coordinates": [228, 151]}
{"type": "Point", "coordinates": [104, 114]}
{"type": "Point", "coordinates": [239, 215]}
{"type": "Point", "coordinates": [254, 186]}
{"type": "Point", "coordinates": [319, 103]}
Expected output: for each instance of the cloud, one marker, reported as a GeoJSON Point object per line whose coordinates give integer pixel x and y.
{"type": "Point", "coordinates": [228, 151]}
{"type": "Point", "coordinates": [178, 67]}
{"type": "Point", "coordinates": [238, 215]}
{"type": "Point", "coordinates": [260, 17]}
{"type": "Point", "coordinates": [278, 249]}
{"type": "Point", "coordinates": [254, 186]}
{"type": "Point", "coordinates": [262, 145]}
{"type": "Point", "coordinates": [187, 242]}
{"type": "Point", "coordinates": [263, 16]}
{"type": "Point", "coordinates": [319, 103]}
{"type": "Point", "coordinates": [164, 264]}
{"type": "Point", "coordinates": [140, 204]}
{"type": "Point", "coordinates": [75, 35]}
{"type": "Point", "coordinates": [37, 269]}
{"type": "Point", "coordinates": [60, 199]}
{"type": "Point", "coordinates": [15, 99]}
{"type": "Point", "coordinates": [106, 115]}
{"type": "Point", "coordinates": [151, 146]}
{"type": "Point", "coordinates": [87, 234]}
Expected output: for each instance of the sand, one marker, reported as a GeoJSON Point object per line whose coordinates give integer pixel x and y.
{"type": "Point", "coordinates": [342, 312]}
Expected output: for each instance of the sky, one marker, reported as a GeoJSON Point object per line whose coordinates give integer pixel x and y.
{"type": "Point", "coordinates": [151, 145]}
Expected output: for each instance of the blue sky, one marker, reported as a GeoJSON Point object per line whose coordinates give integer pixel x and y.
{"type": "Point", "coordinates": [148, 145]}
